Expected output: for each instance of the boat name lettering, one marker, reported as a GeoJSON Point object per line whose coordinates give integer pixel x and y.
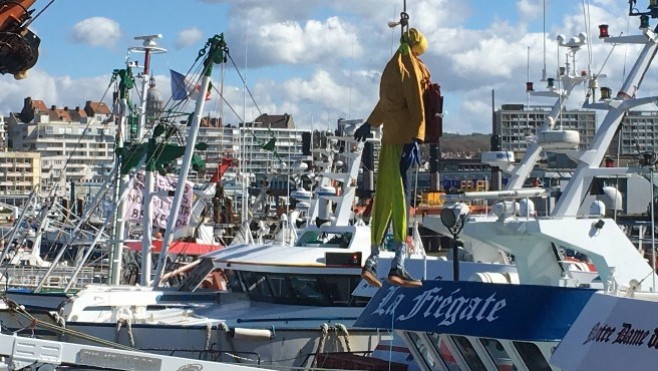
{"type": "Point", "coordinates": [627, 335]}
{"type": "Point", "coordinates": [449, 308]}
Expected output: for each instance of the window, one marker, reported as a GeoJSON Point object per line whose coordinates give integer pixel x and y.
{"type": "Point", "coordinates": [279, 285]}
{"type": "Point", "coordinates": [498, 354]}
{"type": "Point", "coordinates": [425, 355]}
{"type": "Point", "coordinates": [446, 355]}
{"type": "Point", "coordinates": [532, 356]}
{"type": "Point", "coordinates": [468, 352]}
{"type": "Point", "coordinates": [325, 239]}
{"type": "Point", "coordinates": [298, 289]}
{"type": "Point", "coordinates": [256, 284]}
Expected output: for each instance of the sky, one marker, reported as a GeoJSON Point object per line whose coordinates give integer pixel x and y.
{"type": "Point", "coordinates": [321, 60]}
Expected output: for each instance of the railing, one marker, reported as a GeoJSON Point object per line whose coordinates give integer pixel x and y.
{"type": "Point", "coordinates": [29, 277]}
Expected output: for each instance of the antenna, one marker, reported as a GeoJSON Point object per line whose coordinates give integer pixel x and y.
{"type": "Point", "coordinates": [149, 46]}
{"type": "Point", "coordinates": [403, 22]}
{"type": "Point", "coordinates": [543, 71]}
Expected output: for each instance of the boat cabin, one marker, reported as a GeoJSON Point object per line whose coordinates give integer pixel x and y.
{"type": "Point", "coordinates": [322, 268]}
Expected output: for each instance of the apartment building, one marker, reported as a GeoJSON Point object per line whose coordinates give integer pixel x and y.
{"type": "Point", "coordinates": [515, 122]}
{"type": "Point", "coordinates": [74, 144]}
{"type": "Point", "coordinates": [20, 173]}
{"type": "Point", "coordinates": [638, 134]}
{"type": "Point", "coordinates": [245, 144]}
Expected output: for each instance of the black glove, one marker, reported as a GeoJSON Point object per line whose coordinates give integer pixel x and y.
{"type": "Point", "coordinates": [362, 132]}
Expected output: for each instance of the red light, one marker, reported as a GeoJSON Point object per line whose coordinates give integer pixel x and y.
{"type": "Point", "coordinates": [528, 86]}
{"type": "Point", "coordinates": [603, 31]}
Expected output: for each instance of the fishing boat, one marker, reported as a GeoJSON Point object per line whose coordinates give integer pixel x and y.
{"type": "Point", "coordinates": [553, 319]}
{"type": "Point", "coordinates": [285, 303]}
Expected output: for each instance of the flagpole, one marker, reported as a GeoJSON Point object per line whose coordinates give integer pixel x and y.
{"type": "Point", "coordinates": [215, 55]}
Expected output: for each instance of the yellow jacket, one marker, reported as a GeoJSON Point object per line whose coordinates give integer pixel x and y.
{"type": "Point", "coordinates": [400, 107]}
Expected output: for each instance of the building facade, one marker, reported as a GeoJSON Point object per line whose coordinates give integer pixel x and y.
{"type": "Point", "coordinates": [20, 173]}
{"type": "Point", "coordinates": [75, 145]}
{"type": "Point", "coordinates": [514, 123]}
{"type": "Point", "coordinates": [639, 133]}
{"type": "Point", "coordinates": [245, 146]}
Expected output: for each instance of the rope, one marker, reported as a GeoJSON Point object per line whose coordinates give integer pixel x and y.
{"type": "Point", "coordinates": [12, 307]}
{"type": "Point", "coordinates": [325, 331]}
{"type": "Point", "coordinates": [129, 328]}
{"type": "Point", "coordinates": [240, 359]}
{"type": "Point", "coordinates": [342, 330]}
{"type": "Point", "coordinates": [224, 327]}
{"type": "Point", "coordinates": [59, 319]}
{"type": "Point", "coordinates": [208, 335]}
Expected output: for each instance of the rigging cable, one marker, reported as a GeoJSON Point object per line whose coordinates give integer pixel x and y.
{"type": "Point", "coordinates": [29, 22]}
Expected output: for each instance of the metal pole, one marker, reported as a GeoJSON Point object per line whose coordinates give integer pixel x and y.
{"type": "Point", "coordinates": [455, 258]}
{"type": "Point", "coordinates": [217, 44]}
{"type": "Point", "coordinates": [116, 256]}
{"type": "Point", "coordinates": [653, 232]}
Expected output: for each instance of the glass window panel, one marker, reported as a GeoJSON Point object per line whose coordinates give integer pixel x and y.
{"type": "Point", "coordinates": [446, 355]}
{"type": "Point", "coordinates": [425, 355]}
{"type": "Point", "coordinates": [339, 289]}
{"type": "Point", "coordinates": [256, 284]}
{"type": "Point", "coordinates": [498, 354]}
{"type": "Point", "coordinates": [532, 356]}
{"type": "Point", "coordinates": [280, 288]}
{"type": "Point", "coordinates": [468, 352]}
{"type": "Point", "coordinates": [306, 288]}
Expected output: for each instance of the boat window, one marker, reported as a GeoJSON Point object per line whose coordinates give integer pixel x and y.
{"type": "Point", "coordinates": [532, 356]}
{"type": "Point", "coordinates": [256, 284]}
{"type": "Point", "coordinates": [339, 289]}
{"type": "Point", "coordinates": [301, 289]}
{"type": "Point", "coordinates": [498, 354]}
{"type": "Point", "coordinates": [468, 352]}
{"type": "Point", "coordinates": [233, 281]}
{"type": "Point", "coordinates": [279, 285]}
{"type": "Point", "coordinates": [307, 288]}
{"type": "Point", "coordinates": [425, 355]}
{"type": "Point", "coordinates": [446, 355]}
{"type": "Point", "coordinates": [325, 239]}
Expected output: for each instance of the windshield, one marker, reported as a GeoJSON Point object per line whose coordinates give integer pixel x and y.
{"type": "Point", "coordinates": [325, 239]}
{"type": "Point", "coordinates": [298, 289]}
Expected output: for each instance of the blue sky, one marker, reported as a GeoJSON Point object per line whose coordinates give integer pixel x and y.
{"type": "Point", "coordinates": [318, 60]}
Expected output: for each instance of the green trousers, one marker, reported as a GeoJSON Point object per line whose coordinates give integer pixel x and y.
{"type": "Point", "coordinates": [389, 203]}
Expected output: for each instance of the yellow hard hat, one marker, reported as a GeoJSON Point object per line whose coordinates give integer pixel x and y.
{"type": "Point", "coordinates": [417, 41]}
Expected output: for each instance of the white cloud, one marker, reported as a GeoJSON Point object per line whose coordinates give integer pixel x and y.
{"type": "Point", "coordinates": [530, 9]}
{"type": "Point", "coordinates": [96, 31]}
{"type": "Point", "coordinates": [313, 42]}
{"type": "Point", "coordinates": [321, 60]}
{"type": "Point", "coordinates": [60, 91]}
{"type": "Point", "coordinates": [188, 37]}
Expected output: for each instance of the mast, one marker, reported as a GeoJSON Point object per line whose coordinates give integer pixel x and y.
{"type": "Point", "coordinates": [148, 47]}
{"type": "Point", "coordinates": [576, 189]}
{"type": "Point", "coordinates": [217, 48]}
{"type": "Point", "coordinates": [121, 109]}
